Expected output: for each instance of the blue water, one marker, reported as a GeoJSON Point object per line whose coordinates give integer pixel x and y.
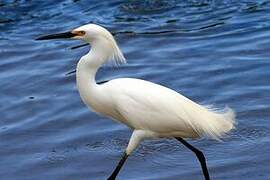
{"type": "Point", "coordinates": [214, 52]}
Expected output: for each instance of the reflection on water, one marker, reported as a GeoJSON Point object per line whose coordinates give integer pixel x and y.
{"type": "Point", "coordinates": [214, 52]}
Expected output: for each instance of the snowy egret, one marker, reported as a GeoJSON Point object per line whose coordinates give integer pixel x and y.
{"type": "Point", "coordinates": [150, 110]}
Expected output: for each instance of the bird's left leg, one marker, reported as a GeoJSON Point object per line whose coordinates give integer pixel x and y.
{"type": "Point", "coordinates": [134, 141]}
{"type": "Point", "coordinates": [118, 167]}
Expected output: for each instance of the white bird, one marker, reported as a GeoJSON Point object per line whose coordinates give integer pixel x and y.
{"type": "Point", "coordinates": [150, 110]}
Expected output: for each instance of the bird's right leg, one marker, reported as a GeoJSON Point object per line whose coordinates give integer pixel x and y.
{"type": "Point", "coordinates": [199, 155]}
{"type": "Point", "coordinates": [134, 141]}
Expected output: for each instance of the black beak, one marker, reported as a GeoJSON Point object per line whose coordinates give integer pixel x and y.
{"type": "Point", "coordinates": [57, 36]}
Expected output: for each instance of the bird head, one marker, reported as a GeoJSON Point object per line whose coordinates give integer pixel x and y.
{"type": "Point", "coordinates": [87, 33]}
{"type": "Point", "coordinates": [98, 37]}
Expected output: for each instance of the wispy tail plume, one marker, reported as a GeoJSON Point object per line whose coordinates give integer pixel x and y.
{"type": "Point", "coordinates": [218, 122]}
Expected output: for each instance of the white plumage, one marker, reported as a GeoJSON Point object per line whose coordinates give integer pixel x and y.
{"type": "Point", "coordinates": [140, 104]}
{"type": "Point", "coordinates": [147, 106]}
{"type": "Point", "coordinates": [151, 110]}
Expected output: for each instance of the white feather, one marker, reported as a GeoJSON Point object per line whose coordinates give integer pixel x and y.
{"type": "Point", "coordinates": [103, 42]}
{"type": "Point", "coordinates": [149, 109]}
{"type": "Point", "coordinates": [140, 104]}
{"type": "Point", "coordinates": [148, 106]}
{"type": "Point", "coordinates": [117, 57]}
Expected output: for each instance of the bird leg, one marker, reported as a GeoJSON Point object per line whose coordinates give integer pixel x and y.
{"type": "Point", "coordinates": [118, 167]}
{"type": "Point", "coordinates": [199, 155]}
{"type": "Point", "coordinates": [134, 141]}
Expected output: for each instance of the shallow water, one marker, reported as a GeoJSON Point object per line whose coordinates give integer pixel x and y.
{"type": "Point", "coordinates": [214, 52]}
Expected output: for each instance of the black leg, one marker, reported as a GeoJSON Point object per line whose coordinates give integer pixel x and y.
{"type": "Point", "coordinates": [118, 167]}
{"type": "Point", "coordinates": [199, 155]}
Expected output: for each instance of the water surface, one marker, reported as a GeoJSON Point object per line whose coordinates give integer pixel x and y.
{"type": "Point", "coordinates": [214, 52]}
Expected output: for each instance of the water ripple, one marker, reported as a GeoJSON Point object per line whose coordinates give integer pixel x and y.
{"type": "Point", "coordinates": [214, 52]}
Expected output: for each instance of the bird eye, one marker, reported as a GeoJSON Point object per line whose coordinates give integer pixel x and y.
{"type": "Point", "coordinates": [81, 33]}
{"type": "Point", "coordinates": [78, 33]}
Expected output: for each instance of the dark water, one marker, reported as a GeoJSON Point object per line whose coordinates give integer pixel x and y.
{"type": "Point", "coordinates": [214, 52]}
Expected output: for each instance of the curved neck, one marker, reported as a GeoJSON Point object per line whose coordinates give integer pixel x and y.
{"type": "Point", "coordinates": [86, 71]}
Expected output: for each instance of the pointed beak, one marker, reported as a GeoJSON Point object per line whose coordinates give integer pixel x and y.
{"type": "Point", "coordinates": [64, 35]}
